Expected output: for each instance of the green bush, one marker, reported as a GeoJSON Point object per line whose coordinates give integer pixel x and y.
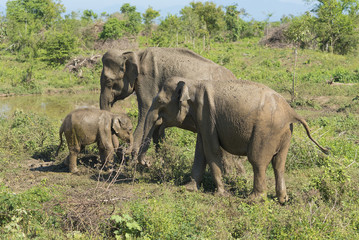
{"type": "Point", "coordinates": [174, 158]}
{"type": "Point", "coordinates": [27, 133]}
{"type": "Point", "coordinates": [125, 227]}
{"type": "Point", "coordinates": [59, 47]}
{"type": "Point", "coordinates": [113, 29]}
{"type": "Point", "coordinates": [22, 214]}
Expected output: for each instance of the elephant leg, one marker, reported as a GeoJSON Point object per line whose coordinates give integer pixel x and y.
{"type": "Point", "coordinates": [278, 164]}
{"type": "Point", "coordinates": [259, 181]}
{"type": "Point", "coordinates": [72, 160]}
{"type": "Point", "coordinates": [260, 155]}
{"type": "Point", "coordinates": [106, 156]}
{"type": "Point", "coordinates": [198, 167]}
{"type": "Point", "coordinates": [117, 149]}
{"type": "Point", "coordinates": [213, 156]}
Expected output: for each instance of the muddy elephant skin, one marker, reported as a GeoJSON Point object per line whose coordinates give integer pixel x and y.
{"type": "Point", "coordinates": [86, 126]}
{"type": "Point", "coordinates": [242, 117]}
{"type": "Point", "coordinates": [145, 72]}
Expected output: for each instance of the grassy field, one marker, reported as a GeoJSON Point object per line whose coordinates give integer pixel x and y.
{"type": "Point", "coordinates": [40, 199]}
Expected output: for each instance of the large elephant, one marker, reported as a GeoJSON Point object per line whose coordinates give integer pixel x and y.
{"type": "Point", "coordinates": [85, 126]}
{"type": "Point", "coordinates": [145, 72]}
{"type": "Point", "coordinates": [242, 117]}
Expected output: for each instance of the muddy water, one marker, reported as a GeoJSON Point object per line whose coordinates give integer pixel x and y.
{"type": "Point", "coordinates": [57, 106]}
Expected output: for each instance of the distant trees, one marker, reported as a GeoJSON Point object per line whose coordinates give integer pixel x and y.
{"type": "Point", "coordinates": [333, 26]}
{"type": "Point", "coordinates": [132, 19]}
{"type": "Point", "coordinates": [37, 29]}
{"type": "Point", "coordinates": [27, 20]}
{"type": "Point", "coordinates": [235, 25]}
{"type": "Point", "coordinates": [336, 25]}
{"type": "Point", "coordinates": [148, 17]}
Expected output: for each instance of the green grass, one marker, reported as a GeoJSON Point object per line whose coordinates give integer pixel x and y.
{"type": "Point", "coordinates": [35, 77]}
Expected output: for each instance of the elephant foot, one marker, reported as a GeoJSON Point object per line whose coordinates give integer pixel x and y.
{"type": "Point", "coordinates": [257, 196]}
{"type": "Point", "coordinates": [191, 186]}
{"type": "Point", "coordinates": [221, 193]}
{"type": "Point", "coordinates": [74, 171]}
{"type": "Point", "coordinates": [283, 199]}
{"type": "Point", "coordinates": [143, 161]}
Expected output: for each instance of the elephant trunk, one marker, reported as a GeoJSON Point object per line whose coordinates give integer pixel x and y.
{"type": "Point", "coordinates": [152, 121]}
{"type": "Point", "coordinates": [130, 145]}
{"type": "Point", "coordinates": [105, 99]}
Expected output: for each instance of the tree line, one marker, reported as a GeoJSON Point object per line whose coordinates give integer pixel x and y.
{"type": "Point", "coordinates": [42, 30]}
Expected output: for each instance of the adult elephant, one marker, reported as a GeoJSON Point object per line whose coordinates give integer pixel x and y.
{"type": "Point", "coordinates": [145, 72]}
{"type": "Point", "coordinates": [242, 117]}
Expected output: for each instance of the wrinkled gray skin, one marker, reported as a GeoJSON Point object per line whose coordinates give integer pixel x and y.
{"type": "Point", "coordinates": [242, 117]}
{"type": "Point", "coordinates": [145, 72]}
{"type": "Point", "coordinates": [86, 126]}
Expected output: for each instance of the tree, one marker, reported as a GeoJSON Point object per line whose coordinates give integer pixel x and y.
{"type": "Point", "coordinates": [148, 17]}
{"type": "Point", "coordinates": [167, 31]}
{"type": "Point", "coordinates": [26, 19]}
{"type": "Point", "coordinates": [113, 29]}
{"type": "Point", "coordinates": [301, 31]}
{"type": "Point", "coordinates": [59, 46]}
{"type": "Point", "coordinates": [89, 15]}
{"type": "Point", "coordinates": [336, 24]}
{"type": "Point", "coordinates": [211, 15]}
{"type": "Point", "coordinates": [191, 23]}
{"type": "Point", "coordinates": [234, 23]}
{"type": "Point", "coordinates": [133, 18]}
{"type": "Point", "coordinates": [2, 28]}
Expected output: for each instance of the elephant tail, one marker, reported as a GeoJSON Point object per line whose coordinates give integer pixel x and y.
{"type": "Point", "coordinates": [60, 134]}
{"type": "Point", "coordinates": [305, 125]}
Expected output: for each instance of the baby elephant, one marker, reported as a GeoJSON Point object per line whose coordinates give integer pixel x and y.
{"type": "Point", "coordinates": [86, 126]}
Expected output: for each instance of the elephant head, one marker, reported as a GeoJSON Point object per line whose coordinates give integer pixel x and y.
{"type": "Point", "coordinates": [122, 127]}
{"type": "Point", "coordinates": [169, 108]}
{"type": "Point", "coordinates": [118, 77]}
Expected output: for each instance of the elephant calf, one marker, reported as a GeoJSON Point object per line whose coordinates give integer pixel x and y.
{"type": "Point", "coordinates": [242, 117]}
{"type": "Point", "coordinates": [86, 126]}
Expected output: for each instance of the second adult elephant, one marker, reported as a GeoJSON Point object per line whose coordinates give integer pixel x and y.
{"type": "Point", "coordinates": [145, 72]}
{"type": "Point", "coordinates": [242, 117]}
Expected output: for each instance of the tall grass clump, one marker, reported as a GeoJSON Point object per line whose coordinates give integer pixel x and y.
{"type": "Point", "coordinates": [173, 159]}
{"type": "Point", "coordinates": [28, 133]}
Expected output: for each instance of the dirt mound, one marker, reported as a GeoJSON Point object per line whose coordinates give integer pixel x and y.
{"type": "Point", "coordinates": [119, 44]}
{"type": "Point", "coordinates": [276, 37]}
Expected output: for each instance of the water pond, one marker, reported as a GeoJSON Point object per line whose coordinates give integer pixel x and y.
{"type": "Point", "coordinates": [57, 106]}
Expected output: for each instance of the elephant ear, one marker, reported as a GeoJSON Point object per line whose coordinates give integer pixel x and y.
{"type": "Point", "coordinates": [132, 67]}
{"type": "Point", "coordinates": [116, 124]}
{"type": "Point", "coordinates": [183, 97]}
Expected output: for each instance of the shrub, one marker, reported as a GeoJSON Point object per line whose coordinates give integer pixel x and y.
{"type": "Point", "coordinates": [21, 214]}
{"type": "Point", "coordinates": [59, 46]}
{"type": "Point", "coordinates": [27, 133]}
{"type": "Point", "coordinates": [113, 29]}
{"type": "Point", "coordinates": [174, 158]}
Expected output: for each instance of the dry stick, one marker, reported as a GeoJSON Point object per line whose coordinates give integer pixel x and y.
{"type": "Point", "coordinates": [355, 157]}
{"type": "Point", "coordinates": [335, 203]}
{"type": "Point", "coordinates": [118, 171]}
{"type": "Point", "coordinates": [294, 67]}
